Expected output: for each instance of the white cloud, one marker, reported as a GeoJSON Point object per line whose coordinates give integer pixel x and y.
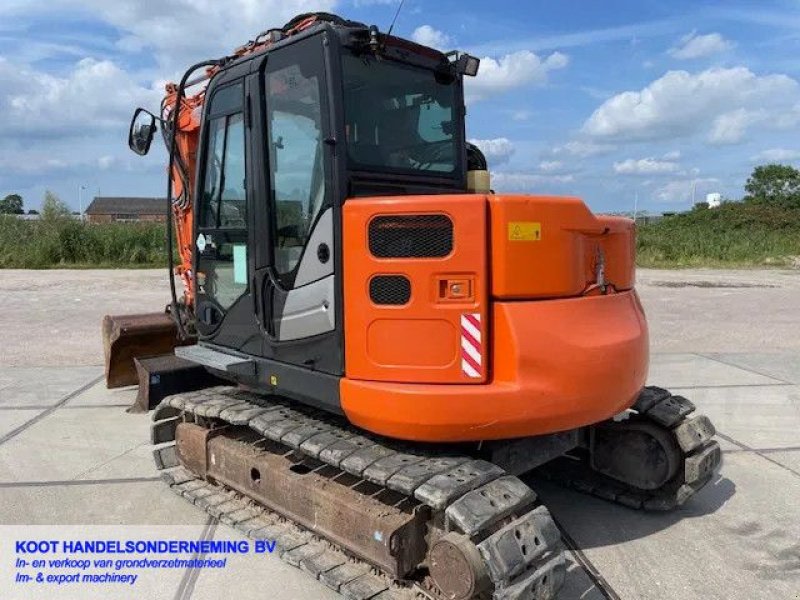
{"type": "Point", "coordinates": [573, 39]}
{"type": "Point", "coordinates": [583, 149]}
{"type": "Point", "coordinates": [106, 162]}
{"type": "Point", "coordinates": [681, 104]}
{"type": "Point", "coordinates": [497, 150]}
{"type": "Point", "coordinates": [214, 28]}
{"type": "Point", "coordinates": [680, 190]}
{"type": "Point", "coordinates": [428, 36]}
{"type": "Point", "coordinates": [644, 166]}
{"type": "Point", "coordinates": [730, 127]}
{"type": "Point", "coordinates": [787, 119]}
{"type": "Point", "coordinates": [673, 155]}
{"type": "Point", "coordinates": [92, 95]}
{"type": "Point", "coordinates": [777, 155]}
{"type": "Point", "coordinates": [697, 46]}
{"type": "Point", "coordinates": [65, 123]}
{"type": "Point", "coordinates": [551, 166]}
{"type": "Point", "coordinates": [526, 182]}
{"type": "Point", "coordinates": [59, 157]}
{"type": "Point", "coordinates": [511, 71]}
{"type": "Point", "coordinates": [521, 115]}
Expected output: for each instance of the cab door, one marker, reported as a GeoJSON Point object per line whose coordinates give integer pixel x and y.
{"type": "Point", "coordinates": [296, 280]}
{"type": "Point", "coordinates": [221, 226]}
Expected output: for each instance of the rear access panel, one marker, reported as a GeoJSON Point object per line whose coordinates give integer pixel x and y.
{"type": "Point", "coordinates": [415, 289]}
{"type": "Point", "coordinates": [554, 247]}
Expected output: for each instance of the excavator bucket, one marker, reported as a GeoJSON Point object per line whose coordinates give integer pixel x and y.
{"type": "Point", "coordinates": [126, 337]}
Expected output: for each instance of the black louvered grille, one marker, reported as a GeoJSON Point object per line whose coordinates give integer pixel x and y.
{"type": "Point", "coordinates": [411, 236]}
{"type": "Point", "coordinates": [389, 289]}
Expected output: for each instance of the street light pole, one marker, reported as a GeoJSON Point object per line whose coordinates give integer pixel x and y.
{"type": "Point", "coordinates": [81, 187]}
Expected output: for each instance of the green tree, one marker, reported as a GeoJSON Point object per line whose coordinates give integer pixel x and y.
{"type": "Point", "coordinates": [53, 208]}
{"type": "Point", "coordinates": [774, 184]}
{"type": "Point", "coordinates": [11, 205]}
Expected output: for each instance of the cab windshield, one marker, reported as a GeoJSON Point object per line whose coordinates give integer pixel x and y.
{"type": "Point", "coordinates": [399, 117]}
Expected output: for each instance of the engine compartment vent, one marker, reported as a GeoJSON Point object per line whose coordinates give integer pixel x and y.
{"type": "Point", "coordinates": [393, 290]}
{"type": "Point", "coordinates": [411, 236]}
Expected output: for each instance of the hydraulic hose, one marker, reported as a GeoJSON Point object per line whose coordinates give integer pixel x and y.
{"type": "Point", "coordinates": [173, 134]}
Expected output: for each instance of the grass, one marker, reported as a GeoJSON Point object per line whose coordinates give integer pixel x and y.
{"type": "Point", "coordinates": [736, 234]}
{"type": "Point", "coordinates": [68, 243]}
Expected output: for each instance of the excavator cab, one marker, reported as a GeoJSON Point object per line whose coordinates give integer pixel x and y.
{"type": "Point", "coordinates": [285, 136]}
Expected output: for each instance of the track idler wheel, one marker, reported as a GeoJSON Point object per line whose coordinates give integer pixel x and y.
{"type": "Point", "coordinates": [637, 453]}
{"type": "Point", "coordinates": [457, 568]}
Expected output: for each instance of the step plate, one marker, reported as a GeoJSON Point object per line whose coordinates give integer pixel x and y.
{"type": "Point", "coordinates": [213, 359]}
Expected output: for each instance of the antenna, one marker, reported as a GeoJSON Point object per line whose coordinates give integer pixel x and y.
{"type": "Point", "coordinates": [397, 12]}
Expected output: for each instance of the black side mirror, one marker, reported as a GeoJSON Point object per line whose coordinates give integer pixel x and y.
{"type": "Point", "coordinates": [468, 65]}
{"type": "Point", "coordinates": [140, 136]}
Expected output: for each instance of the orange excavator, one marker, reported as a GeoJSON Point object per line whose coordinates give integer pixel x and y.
{"type": "Point", "coordinates": [392, 344]}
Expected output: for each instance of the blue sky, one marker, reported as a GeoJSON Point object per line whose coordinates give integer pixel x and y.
{"type": "Point", "coordinates": [604, 100]}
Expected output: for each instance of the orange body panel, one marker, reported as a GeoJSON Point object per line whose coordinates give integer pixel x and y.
{"type": "Point", "coordinates": [419, 341]}
{"type": "Point", "coordinates": [555, 365]}
{"type": "Point", "coordinates": [559, 259]}
{"type": "Point", "coordinates": [563, 338]}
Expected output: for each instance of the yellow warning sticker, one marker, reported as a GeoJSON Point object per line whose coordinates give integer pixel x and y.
{"type": "Point", "coordinates": [524, 231]}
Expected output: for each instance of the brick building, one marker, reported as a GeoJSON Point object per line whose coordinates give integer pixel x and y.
{"type": "Point", "coordinates": [105, 209]}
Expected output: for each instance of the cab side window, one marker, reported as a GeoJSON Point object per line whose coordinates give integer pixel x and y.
{"type": "Point", "coordinates": [223, 200]}
{"type": "Point", "coordinates": [295, 149]}
{"type": "Point", "coordinates": [222, 214]}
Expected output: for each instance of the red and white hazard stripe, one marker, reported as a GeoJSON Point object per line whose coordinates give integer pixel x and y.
{"type": "Point", "coordinates": [471, 346]}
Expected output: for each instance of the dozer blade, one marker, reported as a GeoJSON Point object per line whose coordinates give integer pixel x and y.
{"type": "Point", "coordinates": [126, 337]}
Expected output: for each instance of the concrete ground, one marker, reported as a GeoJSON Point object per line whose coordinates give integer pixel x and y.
{"type": "Point", "coordinates": [74, 464]}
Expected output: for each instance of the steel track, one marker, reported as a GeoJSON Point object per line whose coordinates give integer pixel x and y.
{"type": "Point", "coordinates": [516, 537]}
{"type": "Point", "coordinates": [497, 512]}
{"type": "Point", "coordinates": [698, 454]}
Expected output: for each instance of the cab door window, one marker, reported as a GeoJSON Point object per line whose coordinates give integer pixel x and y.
{"type": "Point", "coordinates": [222, 215]}
{"type": "Point", "coordinates": [223, 201]}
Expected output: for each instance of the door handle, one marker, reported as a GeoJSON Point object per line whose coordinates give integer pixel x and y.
{"type": "Point", "coordinates": [269, 302]}
{"type": "Point", "coordinates": [264, 284]}
{"type": "Point", "coordinates": [254, 296]}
